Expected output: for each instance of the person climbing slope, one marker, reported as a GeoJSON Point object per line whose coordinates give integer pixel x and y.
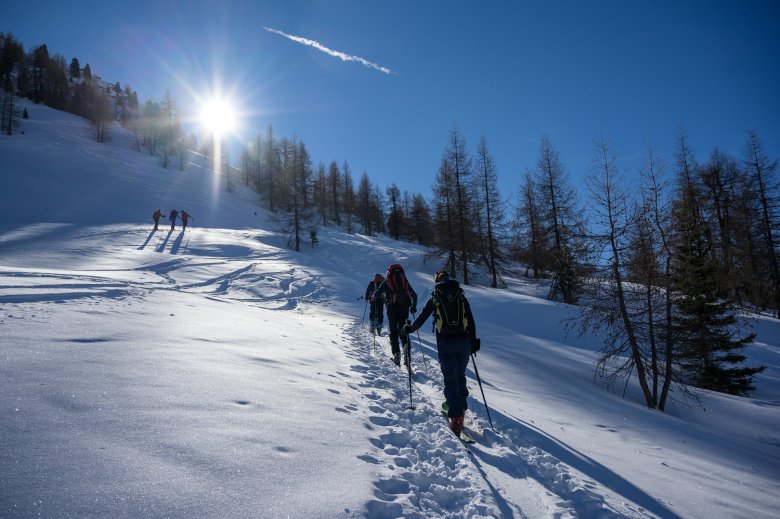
{"type": "Point", "coordinates": [400, 299]}
{"type": "Point", "coordinates": [376, 314]}
{"type": "Point", "coordinates": [456, 340]}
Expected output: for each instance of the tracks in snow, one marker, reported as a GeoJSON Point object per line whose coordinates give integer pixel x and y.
{"type": "Point", "coordinates": [424, 471]}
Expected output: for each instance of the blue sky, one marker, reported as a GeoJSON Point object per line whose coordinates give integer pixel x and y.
{"type": "Point", "coordinates": [634, 72]}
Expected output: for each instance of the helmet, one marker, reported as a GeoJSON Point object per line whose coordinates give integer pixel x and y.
{"type": "Point", "coordinates": [378, 277]}
{"type": "Point", "coordinates": [441, 275]}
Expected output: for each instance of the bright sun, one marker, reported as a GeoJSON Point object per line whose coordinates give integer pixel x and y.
{"type": "Point", "coordinates": [218, 116]}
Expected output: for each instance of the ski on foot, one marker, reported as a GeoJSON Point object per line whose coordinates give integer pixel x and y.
{"type": "Point", "coordinates": [464, 436]}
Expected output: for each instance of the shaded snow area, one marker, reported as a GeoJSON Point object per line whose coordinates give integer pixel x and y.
{"type": "Point", "coordinates": [216, 373]}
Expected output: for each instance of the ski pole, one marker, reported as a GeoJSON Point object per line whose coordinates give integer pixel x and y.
{"type": "Point", "coordinates": [476, 372]}
{"type": "Point", "coordinates": [408, 351]}
{"type": "Point", "coordinates": [422, 352]}
{"type": "Point", "coordinates": [363, 320]}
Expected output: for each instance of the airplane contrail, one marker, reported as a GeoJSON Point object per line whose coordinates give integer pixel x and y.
{"type": "Point", "coordinates": [337, 54]}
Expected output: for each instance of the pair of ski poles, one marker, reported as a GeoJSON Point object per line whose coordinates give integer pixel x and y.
{"type": "Point", "coordinates": [476, 372]}
{"type": "Point", "coordinates": [409, 353]}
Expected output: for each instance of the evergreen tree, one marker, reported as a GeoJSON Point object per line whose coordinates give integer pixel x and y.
{"type": "Point", "coordinates": [703, 321]}
{"type": "Point", "coordinates": [75, 69]}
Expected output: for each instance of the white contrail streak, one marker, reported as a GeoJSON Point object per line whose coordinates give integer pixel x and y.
{"type": "Point", "coordinates": [341, 55]}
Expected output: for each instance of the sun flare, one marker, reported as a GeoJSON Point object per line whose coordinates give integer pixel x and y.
{"type": "Point", "coordinates": [218, 116]}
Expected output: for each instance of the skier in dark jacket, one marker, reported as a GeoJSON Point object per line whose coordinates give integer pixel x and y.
{"type": "Point", "coordinates": [185, 216]}
{"type": "Point", "coordinates": [400, 299]}
{"type": "Point", "coordinates": [377, 313]}
{"type": "Point", "coordinates": [456, 339]}
{"type": "Point", "coordinates": [174, 213]}
{"type": "Point", "coordinates": [156, 217]}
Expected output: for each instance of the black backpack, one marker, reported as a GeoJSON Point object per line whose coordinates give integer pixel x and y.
{"type": "Point", "coordinates": [449, 309]}
{"type": "Point", "coordinates": [398, 285]}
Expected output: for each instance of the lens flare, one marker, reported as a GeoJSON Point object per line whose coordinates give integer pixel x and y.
{"type": "Point", "coordinates": [218, 116]}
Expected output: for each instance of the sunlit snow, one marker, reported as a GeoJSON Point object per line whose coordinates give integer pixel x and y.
{"type": "Point", "coordinates": [216, 373]}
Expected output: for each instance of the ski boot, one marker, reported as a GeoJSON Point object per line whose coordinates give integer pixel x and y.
{"type": "Point", "coordinates": [456, 424]}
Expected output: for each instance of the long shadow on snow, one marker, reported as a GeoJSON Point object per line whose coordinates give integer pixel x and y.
{"type": "Point", "coordinates": [177, 243]}
{"type": "Point", "coordinates": [146, 242]}
{"type": "Point", "coordinates": [61, 297]}
{"type": "Point", "coordinates": [162, 245]}
{"type": "Point", "coordinates": [518, 467]}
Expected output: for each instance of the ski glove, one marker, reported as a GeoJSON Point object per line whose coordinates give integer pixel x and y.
{"type": "Point", "coordinates": [475, 344]}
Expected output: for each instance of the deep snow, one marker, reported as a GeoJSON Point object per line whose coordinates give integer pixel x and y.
{"type": "Point", "coordinates": [215, 373]}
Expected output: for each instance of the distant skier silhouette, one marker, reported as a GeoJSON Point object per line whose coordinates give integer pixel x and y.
{"type": "Point", "coordinates": [173, 215]}
{"type": "Point", "coordinates": [156, 217]}
{"type": "Point", "coordinates": [184, 217]}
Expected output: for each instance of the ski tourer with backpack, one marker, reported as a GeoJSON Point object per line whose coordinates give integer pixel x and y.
{"type": "Point", "coordinates": [400, 298]}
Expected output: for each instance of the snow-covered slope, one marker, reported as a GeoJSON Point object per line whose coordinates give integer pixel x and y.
{"type": "Point", "coordinates": [214, 373]}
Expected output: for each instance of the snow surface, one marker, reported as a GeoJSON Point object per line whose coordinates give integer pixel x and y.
{"type": "Point", "coordinates": [216, 373]}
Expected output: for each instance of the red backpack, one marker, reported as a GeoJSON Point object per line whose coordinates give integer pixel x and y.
{"type": "Point", "coordinates": [398, 285]}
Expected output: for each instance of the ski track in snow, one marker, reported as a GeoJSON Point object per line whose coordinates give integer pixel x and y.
{"type": "Point", "coordinates": [424, 471]}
